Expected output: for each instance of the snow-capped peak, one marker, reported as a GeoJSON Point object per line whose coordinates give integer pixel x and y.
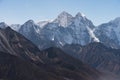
{"type": "Point", "coordinates": [28, 26]}
{"type": "Point", "coordinates": [116, 21]}
{"type": "Point", "coordinates": [80, 14]}
{"type": "Point", "coordinates": [3, 25]}
{"type": "Point", "coordinates": [115, 27]}
{"type": "Point", "coordinates": [30, 22]}
{"type": "Point", "coordinates": [63, 19]}
{"type": "Point", "coordinates": [64, 14]}
{"type": "Point", "coordinates": [15, 27]}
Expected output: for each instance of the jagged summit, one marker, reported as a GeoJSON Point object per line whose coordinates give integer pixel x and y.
{"type": "Point", "coordinates": [109, 33]}
{"type": "Point", "coordinates": [65, 29]}
{"type": "Point", "coordinates": [80, 15]}
{"type": "Point", "coordinates": [64, 13]}
{"type": "Point", "coordinates": [64, 19]}
{"type": "Point", "coordinates": [68, 29]}
{"type": "Point", "coordinates": [15, 27]}
{"type": "Point", "coordinates": [29, 24]}
{"type": "Point", "coordinates": [30, 21]}
{"type": "Point", "coordinates": [3, 25]}
{"type": "Point", "coordinates": [118, 18]}
{"type": "Point", "coordinates": [116, 21]}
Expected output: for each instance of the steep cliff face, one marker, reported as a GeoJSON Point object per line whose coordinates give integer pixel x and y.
{"type": "Point", "coordinates": [16, 44]}
{"type": "Point", "coordinates": [68, 29]}
{"type": "Point", "coordinates": [108, 33]}
{"type": "Point", "coordinates": [65, 29]}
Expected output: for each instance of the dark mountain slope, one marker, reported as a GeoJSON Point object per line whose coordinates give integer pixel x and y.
{"type": "Point", "coordinates": [15, 44]}
{"type": "Point", "coordinates": [64, 63]}
{"type": "Point", "coordinates": [14, 68]}
{"type": "Point", "coordinates": [97, 55]}
{"type": "Point", "coordinates": [22, 60]}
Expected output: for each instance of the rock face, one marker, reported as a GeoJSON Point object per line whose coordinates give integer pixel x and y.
{"type": "Point", "coordinates": [13, 43]}
{"type": "Point", "coordinates": [108, 33]}
{"type": "Point", "coordinates": [15, 27]}
{"type": "Point", "coordinates": [64, 19]}
{"type": "Point", "coordinates": [20, 59]}
{"type": "Point", "coordinates": [31, 31]}
{"type": "Point", "coordinates": [76, 36]}
{"type": "Point", "coordinates": [3, 25]}
{"type": "Point", "coordinates": [68, 29]}
{"type": "Point", "coordinates": [97, 55]}
{"type": "Point", "coordinates": [65, 29]}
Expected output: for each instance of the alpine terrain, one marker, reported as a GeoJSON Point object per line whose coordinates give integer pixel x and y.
{"type": "Point", "coordinates": [66, 48]}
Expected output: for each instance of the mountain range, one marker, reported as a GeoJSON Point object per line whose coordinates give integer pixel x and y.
{"type": "Point", "coordinates": [66, 48]}
{"type": "Point", "coordinates": [97, 55]}
{"type": "Point", "coordinates": [66, 29]}
{"type": "Point", "coordinates": [20, 59]}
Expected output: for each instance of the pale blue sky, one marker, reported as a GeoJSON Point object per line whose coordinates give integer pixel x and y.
{"type": "Point", "coordinates": [19, 11]}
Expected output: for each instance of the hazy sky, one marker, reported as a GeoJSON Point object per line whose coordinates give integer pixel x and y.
{"type": "Point", "coordinates": [19, 11]}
